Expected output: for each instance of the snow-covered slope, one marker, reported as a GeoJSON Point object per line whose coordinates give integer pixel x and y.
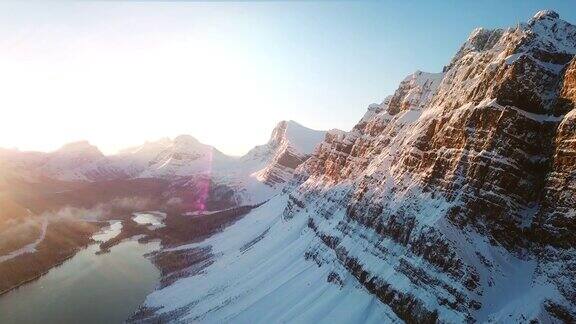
{"type": "Point", "coordinates": [260, 275]}
{"type": "Point", "coordinates": [451, 201]}
{"type": "Point", "coordinates": [135, 160]}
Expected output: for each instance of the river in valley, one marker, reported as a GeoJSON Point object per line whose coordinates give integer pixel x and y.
{"type": "Point", "coordinates": [88, 288]}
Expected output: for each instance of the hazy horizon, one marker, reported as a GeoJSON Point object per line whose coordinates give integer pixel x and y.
{"type": "Point", "coordinates": [136, 145]}
{"type": "Point", "coordinates": [118, 74]}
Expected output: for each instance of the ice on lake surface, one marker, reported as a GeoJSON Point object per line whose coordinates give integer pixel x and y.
{"type": "Point", "coordinates": [109, 233]}
{"type": "Point", "coordinates": [150, 218]}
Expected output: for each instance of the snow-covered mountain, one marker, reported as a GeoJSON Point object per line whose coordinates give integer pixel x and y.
{"type": "Point", "coordinates": [184, 156]}
{"type": "Point", "coordinates": [451, 201]}
{"type": "Point", "coordinates": [184, 161]}
{"type": "Point", "coordinates": [79, 161]}
{"type": "Point", "coordinates": [289, 146]}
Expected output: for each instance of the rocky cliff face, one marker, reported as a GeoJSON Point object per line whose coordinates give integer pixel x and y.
{"type": "Point", "coordinates": [555, 220]}
{"type": "Point", "coordinates": [471, 174]}
{"type": "Point", "coordinates": [451, 201]}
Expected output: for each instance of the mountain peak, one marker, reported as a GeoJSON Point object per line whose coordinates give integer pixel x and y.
{"type": "Point", "coordinates": [185, 139]}
{"type": "Point", "coordinates": [548, 32]}
{"type": "Point", "coordinates": [80, 147]}
{"type": "Point", "coordinates": [149, 147]}
{"type": "Point", "coordinates": [300, 137]}
{"type": "Point", "coordinates": [188, 143]}
{"type": "Point", "coordinates": [546, 14]}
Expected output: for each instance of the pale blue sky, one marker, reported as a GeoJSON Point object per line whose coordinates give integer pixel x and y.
{"type": "Point", "coordinates": [119, 73]}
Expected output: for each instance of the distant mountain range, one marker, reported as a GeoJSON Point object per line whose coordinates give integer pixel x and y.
{"type": "Point", "coordinates": [451, 201]}
{"type": "Point", "coordinates": [256, 175]}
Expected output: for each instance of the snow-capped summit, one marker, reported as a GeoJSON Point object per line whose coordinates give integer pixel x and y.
{"type": "Point", "coordinates": [148, 148]}
{"type": "Point", "coordinates": [80, 149]}
{"type": "Point", "coordinates": [290, 144]}
{"type": "Point", "coordinates": [546, 14]}
{"type": "Point", "coordinates": [184, 156]}
{"type": "Point", "coordinates": [518, 66]}
{"type": "Point", "coordinates": [186, 141]}
{"type": "Point", "coordinates": [73, 161]}
{"type": "Point", "coordinates": [301, 138]}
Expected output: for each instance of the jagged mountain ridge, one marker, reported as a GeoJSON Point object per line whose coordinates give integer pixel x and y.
{"type": "Point", "coordinates": [475, 161]}
{"type": "Point", "coordinates": [186, 163]}
{"type": "Point", "coordinates": [451, 201]}
{"type": "Point", "coordinates": [289, 146]}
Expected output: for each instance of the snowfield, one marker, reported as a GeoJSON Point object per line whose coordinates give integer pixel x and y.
{"type": "Point", "coordinates": [268, 280]}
